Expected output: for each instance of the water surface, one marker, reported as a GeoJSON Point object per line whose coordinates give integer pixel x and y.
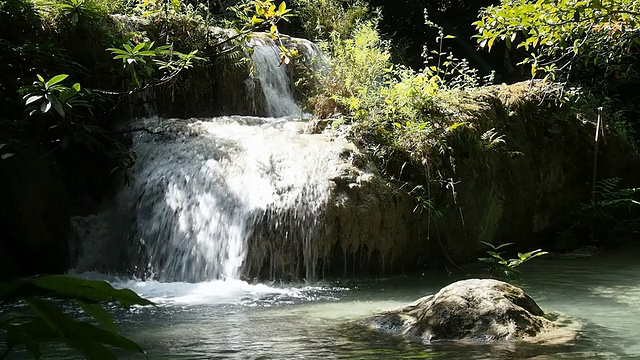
{"type": "Point", "coordinates": [236, 320]}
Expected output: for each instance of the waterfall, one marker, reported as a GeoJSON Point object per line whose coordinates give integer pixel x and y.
{"type": "Point", "coordinates": [272, 78]}
{"type": "Point", "coordinates": [201, 188]}
{"type": "Point", "coordinates": [206, 192]}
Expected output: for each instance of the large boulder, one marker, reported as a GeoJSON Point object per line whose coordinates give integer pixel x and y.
{"type": "Point", "coordinates": [471, 309]}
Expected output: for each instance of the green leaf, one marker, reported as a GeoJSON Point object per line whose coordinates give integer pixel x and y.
{"type": "Point", "coordinates": [282, 9]}
{"type": "Point", "coordinates": [89, 291]}
{"type": "Point", "coordinates": [74, 333]}
{"type": "Point", "coordinates": [503, 245]}
{"type": "Point", "coordinates": [32, 98]}
{"type": "Point", "coordinates": [111, 338]}
{"type": "Point", "coordinates": [256, 20]}
{"type": "Point", "coordinates": [56, 79]}
{"type": "Point", "coordinates": [45, 107]}
{"type": "Point", "coordinates": [456, 125]}
{"type": "Point", "coordinates": [490, 43]}
{"type": "Point", "coordinates": [118, 51]}
{"type": "Point", "coordinates": [100, 314]}
{"type": "Point", "coordinates": [31, 334]}
{"type": "Point", "coordinates": [488, 244]}
{"type": "Point", "coordinates": [138, 47]}
{"type": "Point", "coordinates": [67, 94]}
{"type": "Point", "coordinates": [57, 105]}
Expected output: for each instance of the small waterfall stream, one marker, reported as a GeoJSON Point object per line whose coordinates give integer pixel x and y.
{"type": "Point", "coordinates": [273, 79]}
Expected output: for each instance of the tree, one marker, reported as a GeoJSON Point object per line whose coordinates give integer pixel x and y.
{"type": "Point", "coordinates": [594, 44]}
{"type": "Point", "coordinates": [559, 35]}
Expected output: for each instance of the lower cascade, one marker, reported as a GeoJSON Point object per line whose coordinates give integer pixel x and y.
{"type": "Point", "coordinates": [202, 191]}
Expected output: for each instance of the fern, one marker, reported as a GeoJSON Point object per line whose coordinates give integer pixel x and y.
{"type": "Point", "coordinates": [492, 140]}
{"type": "Point", "coordinates": [566, 240]}
{"type": "Point", "coordinates": [612, 206]}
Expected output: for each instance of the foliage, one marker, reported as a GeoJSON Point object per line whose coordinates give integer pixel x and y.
{"type": "Point", "coordinates": [594, 43]}
{"type": "Point", "coordinates": [48, 299]}
{"type": "Point", "coordinates": [614, 210]}
{"type": "Point", "coordinates": [322, 19]}
{"type": "Point", "coordinates": [392, 109]}
{"type": "Point", "coordinates": [143, 60]}
{"type": "Point", "coordinates": [456, 73]}
{"type": "Point", "coordinates": [507, 266]}
{"type": "Point", "coordinates": [609, 200]}
{"type": "Point", "coordinates": [613, 213]}
{"type": "Point", "coordinates": [43, 95]}
{"type": "Point", "coordinates": [261, 14]}
{"type": "Point", "coordinates": [87, 15]}
{"type": "Point", "coordinates": [360, 66]}
{"type": "Point", "coordinates": [556, 33]}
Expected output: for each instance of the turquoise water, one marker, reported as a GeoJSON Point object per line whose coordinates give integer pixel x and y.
{"type": "Point", "coordinates": [236, 320]}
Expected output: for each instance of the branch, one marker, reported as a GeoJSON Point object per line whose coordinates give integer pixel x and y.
{"type": "Point", "coordinates": [595, 17]}
{"type": "Point", "coordinates": [142, 129]}
{"type": "Point", "coordinates": [240, 34]}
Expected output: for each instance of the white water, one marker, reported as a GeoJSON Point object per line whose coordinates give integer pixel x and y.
{"type": "Point", "coordinates": [200, 191]}
{"type": "Point", "coordinates": [273, 78]}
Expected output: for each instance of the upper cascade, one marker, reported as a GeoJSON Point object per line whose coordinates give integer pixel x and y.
{"type": "Point", "coordinates": [272, 78]}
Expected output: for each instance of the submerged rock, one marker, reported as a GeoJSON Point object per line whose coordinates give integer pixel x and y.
{"type": "Point", "coordinates": [471, 309]}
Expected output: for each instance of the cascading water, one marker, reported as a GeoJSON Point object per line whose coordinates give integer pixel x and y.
{"type": "Point", "coordinates": [205, 191]}
{"type": "Point", "coordinates": [272, 79]}
{"type": "Point", "coordinates": [198, 197]}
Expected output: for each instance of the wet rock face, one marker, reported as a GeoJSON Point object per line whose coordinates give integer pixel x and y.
{"type": "Point", "coordinates": [471, 309]}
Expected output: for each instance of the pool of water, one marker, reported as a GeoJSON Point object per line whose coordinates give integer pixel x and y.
{"type": "Point", "coordinates": [236, 320]}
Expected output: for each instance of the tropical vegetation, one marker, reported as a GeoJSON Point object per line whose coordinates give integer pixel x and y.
{"type": "Point", "coordinates": [404, 89]}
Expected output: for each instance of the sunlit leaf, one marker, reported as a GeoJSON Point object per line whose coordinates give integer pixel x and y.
{"type": "Point", "coordinates": [56, 79]}
{"type": "Point", "coordinates": [32, 99]}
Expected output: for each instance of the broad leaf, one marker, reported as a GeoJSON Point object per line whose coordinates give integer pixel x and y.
{"type": "Point", "coordinates": [74, 333]}
{"type": "Point", "coordinates": [89, 291]}
{"type": "Point", "coordinates": [282, 8]}
{"type": "Point", "coordinates": [32, 98]}
{"type": "Point", "coordinates": [56, 79]}
{"type": "Point", "coordinates": [100, 314]}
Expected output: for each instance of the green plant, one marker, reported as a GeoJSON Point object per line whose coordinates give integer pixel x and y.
{"type": "Point", "coordinates": [450, 72]}
{"type": "Point", "coordinates": [64, 15]}
{"type": "Point", "coordinates": [556, 34]}
{"type": "Point", "coordinates": [71, 9]}
{"type": "Point", "coordinates": [612, 207]}
{"type": "Point", "coordinates": [594, 44]}
{"type": "Point", "coordinates": [143, 60]}
{"type": "Point", "coordinates": [43, 95]}
{"type": "Point", "coordinates": [46, 318]}
{"type": "Point", "coordinates": [507, 266]}
{"type": "Point", "coordinates": [359, 67]}
{"type": "Point", "coordinates": [322, 19]}
{"type": "Point", "coordinates": [566, 239]}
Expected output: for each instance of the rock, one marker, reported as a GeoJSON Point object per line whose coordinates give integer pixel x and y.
{"type": "Point", "coordinates": [471, 309]}
{"type": "Point", "coordinates": [580, 253]}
